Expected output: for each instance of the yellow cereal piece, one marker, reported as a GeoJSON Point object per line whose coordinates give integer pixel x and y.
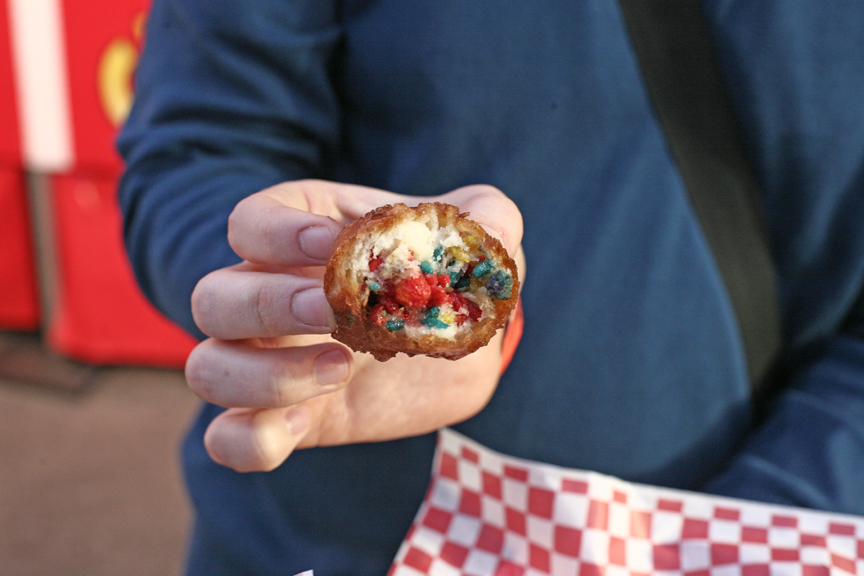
{"type": "Point", "coordinates": [448, 317]}
{"type": "Point", "coordinates": [459, 254]}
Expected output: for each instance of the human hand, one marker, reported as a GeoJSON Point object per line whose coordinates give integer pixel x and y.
{"type": "Point", "coordinates": [270, 361]}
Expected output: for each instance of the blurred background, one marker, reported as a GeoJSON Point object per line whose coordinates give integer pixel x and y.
{"type": "Point", "coordinates": [92, 399]}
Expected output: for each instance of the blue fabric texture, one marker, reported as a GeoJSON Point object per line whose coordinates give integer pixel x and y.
{"type": "Point", "coordinates": [631, 363]}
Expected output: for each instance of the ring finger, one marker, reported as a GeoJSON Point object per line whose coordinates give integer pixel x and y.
{"type": "Point", "coordinates": [237, 374]}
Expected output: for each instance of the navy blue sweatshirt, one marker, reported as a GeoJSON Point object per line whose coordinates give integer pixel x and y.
{"type": "Point", "coordinates": [631, 362]}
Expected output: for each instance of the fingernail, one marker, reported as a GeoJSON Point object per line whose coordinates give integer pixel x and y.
{"type": "Point", "coordinates": [316, 242]}
{"type": "Point", "coordinates": [298, 421]}
{"type": "Point", "coordinates": [310, 307]}
{"type": "Point", "coordinates": [331, 367]}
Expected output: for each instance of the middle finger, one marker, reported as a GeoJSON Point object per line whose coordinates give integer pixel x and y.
{"type": "Point", "coordinates": [236, 303]}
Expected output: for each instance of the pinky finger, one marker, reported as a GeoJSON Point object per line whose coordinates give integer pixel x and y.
{"type": "Point", "coordinates": [255, 440]}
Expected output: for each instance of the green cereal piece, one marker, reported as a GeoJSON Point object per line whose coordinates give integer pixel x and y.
{"type": "Point", "coordinates": [426, 268]}
{"type": "Point", "coordinates": [431, 320]}
{"type": "Point", "coordinates": [395, 325]}
{"type": "Point", "coordinates": [434, 323]}
{"type": "Point", "coordinates": [483, 268]}
{"type": "Point", "coordinates": [462, 282]}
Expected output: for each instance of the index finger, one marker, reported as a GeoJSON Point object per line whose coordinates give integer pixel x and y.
{"type": "Point", "coordinates": [295, 223]}
{"type": "Point", "coordinates": [265, 231]}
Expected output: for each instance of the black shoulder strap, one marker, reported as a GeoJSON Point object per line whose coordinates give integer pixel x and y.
{"type": "Point", "coordinates": [673, 45]}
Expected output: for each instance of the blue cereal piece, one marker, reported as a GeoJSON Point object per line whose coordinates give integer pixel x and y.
{"type": "Point", "coordinates": [395, 325]}
{"type": "Point", "coordinates": [499, 285]}
{"type": "Point", "coordinates": [461, 283]}
{"type": "Point", "coordinates": [438, 253]}
{"type": "Point", "coordinates": [434, 323]}
{"type": "Point", "coordinates": [426, 268]}
{"type": "Point", "coordinates": [483, 268]}
{"type": "Point", "coordinates": [430, 319]}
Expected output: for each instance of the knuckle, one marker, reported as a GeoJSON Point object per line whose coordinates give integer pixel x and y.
{"type": "Point", "coordinates": [268, 236]}
{"type": "Point", "coordinates": [268, 302]}
{"type": "Point", "coordinates": [240, 443]}
{"type": "Point", "coordinates": [228, 445]}
{"type": "Point", "coordinates": [268, 448]}
{"type": "Point", "coordinates": [282, 380]}
{"type": "Point", "coordinates": [279, 394]}
{"type": "Point", "coordinates": [204, 304]}
{"type": "Point", "coordinates": [199, 302]}
{"type": "Point", "coordinates": [235, 224]}
{"type": "Point", "coordinates": [197, 373]}
{"type": "Point", "coordinates": [489, 190]}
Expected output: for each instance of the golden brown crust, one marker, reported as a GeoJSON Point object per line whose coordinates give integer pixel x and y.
{"type": "Point", "coordinates": [346, 285]}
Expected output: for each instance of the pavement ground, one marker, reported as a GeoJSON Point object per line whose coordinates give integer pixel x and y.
{"type": "Point", "coordinates": [90, 482]}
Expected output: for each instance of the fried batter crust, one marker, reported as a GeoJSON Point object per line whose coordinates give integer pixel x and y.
{"type": "Point", "coordinates": [348, 294]}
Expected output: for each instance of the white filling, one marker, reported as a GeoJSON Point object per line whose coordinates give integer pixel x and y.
{"type": "Point", "coordinates": [448, 333]}
{"type": "Point", "coordinates": [404, 247]}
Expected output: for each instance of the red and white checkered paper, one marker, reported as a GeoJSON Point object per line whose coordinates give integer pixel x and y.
{"type": "Point", "coordinates": [487, 514]}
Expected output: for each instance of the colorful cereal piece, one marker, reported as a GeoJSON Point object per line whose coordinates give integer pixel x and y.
{"type": "Point", "coordinates": [462, 283]}
{"type": "Point", "coordinates": [413, 292]}
{"type": "Point", "coordinates": [459, 254]}
{"type": "Point", "coordinates": [499, 285]}
{"type": "Point", "coordinates": [389, 303]}
{"type": "Point", "coordinates": [474, 311]}
{"type": "Point", "coordinates": [426, 267]}
{"type": "Point", "coordinates": [483, 268]}
{"type": "Point", "coordinates": [438, 296]}
{"type": "Point", "coordinates": [448, 317]}
{"type": "Point", "coordinates": [434, 323]}
{"type": "Point", "coordinates": [395, 325]}
{"type": "Point", "coordinates": [378, 315]}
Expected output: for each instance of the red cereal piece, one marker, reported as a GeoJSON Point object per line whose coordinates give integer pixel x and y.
{"type": "Point", "coordinates": [457, 300]}
{"type": "Point", "coordinates": [462, 306]}
{"type": "Point", "coordinates": [474, 311]}
{"type": "Point", "coordinates": [378, 315]}
{"type": "Point", "coordinates": [389, 303]}
{"type": "Point", "coordinates": [438, 297]}
{"type": "Point", "coordinates": [431, 279]}
{"type": "Point", "coordinates": [444, 280]}
{"type": "Point", "coordinates": [389, 289]}
{"type": "Point", "coordinates": [375, 263]}
{"type": "Point", "coordinates": [412, 316]}
{"type": "Point", "coordinates": [413, 292]}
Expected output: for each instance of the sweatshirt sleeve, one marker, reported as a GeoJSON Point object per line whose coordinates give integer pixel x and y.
{"type": "Point", "coordinates": [231, 97]}
{"type": "Point", "coordinates": [810, 451]}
